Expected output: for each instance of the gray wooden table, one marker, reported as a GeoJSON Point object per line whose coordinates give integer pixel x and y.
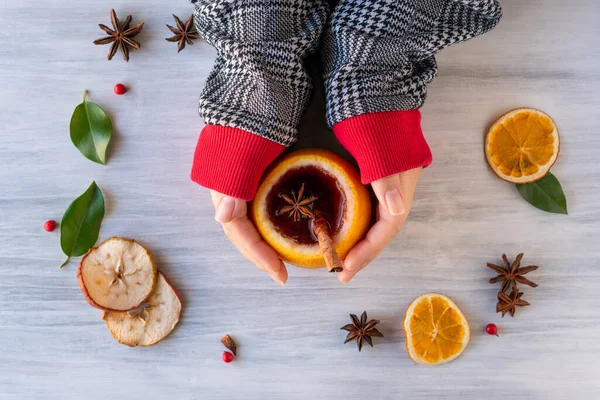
{"type": "Point", "coordinates": [544, 54]}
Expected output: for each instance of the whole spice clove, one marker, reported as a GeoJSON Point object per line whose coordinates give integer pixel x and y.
{"type": "Point", "coordinates": [229, 343]}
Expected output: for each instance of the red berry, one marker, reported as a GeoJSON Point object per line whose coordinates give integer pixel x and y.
{"type": "Point", "coordinates": [227, 357]}
{"type": "Point", "coordinates": [491, 329]}
{"type": "Point", "coordinates": [50, 225]}
{"type": "Point", "coordinates": [120, 89]}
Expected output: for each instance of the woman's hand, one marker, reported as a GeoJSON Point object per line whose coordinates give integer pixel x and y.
{"type": "Point", "coordinates": [394, 193]}
{"type": "Point", "coordinates": [395, 196]}
{"type": "Point", "coordinates": [232, 214]}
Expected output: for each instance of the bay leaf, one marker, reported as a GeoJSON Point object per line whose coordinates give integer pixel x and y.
{"type": "Point", "coordinates": [81, 222]}
{"type": "Point", "coordinates": [91, 130]}
{"type": "Point", "coordinates": [545, 194]}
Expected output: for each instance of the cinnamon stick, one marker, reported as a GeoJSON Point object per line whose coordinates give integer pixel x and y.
{"type": "Point", "coordinates": [321, 229]}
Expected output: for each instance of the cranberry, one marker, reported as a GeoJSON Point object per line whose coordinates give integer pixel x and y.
{"type": "Point", "coordinates": [227, 357]}
{"type": "Point", "coordinates": [120, 89]}
{"type": "Point", "coordinates": [491, 329]}
{"type": "Point", "coordinates": [50, 225]}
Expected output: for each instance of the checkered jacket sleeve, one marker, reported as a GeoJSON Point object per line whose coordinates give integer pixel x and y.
{"type": "Point", "coordinates": [258, 89]}
{"type": "Point", "coordinates": [378, 57]}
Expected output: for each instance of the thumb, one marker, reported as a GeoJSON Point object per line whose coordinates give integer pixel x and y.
{"type": "Point", "coordinates": [227, 208]}
{"type": "Point", "coordinates": [387, 191]}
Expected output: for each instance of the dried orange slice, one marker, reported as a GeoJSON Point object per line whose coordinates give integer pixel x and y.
{"type": "Point", "coordinates": [436, 330]}
{"type": "Point", "coordinates": [320, 181]}
{"type": "Point", "coordinates": [522, 145]}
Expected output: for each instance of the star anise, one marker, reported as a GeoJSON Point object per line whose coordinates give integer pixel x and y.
{"type": "Point", "coordinates": [121, 36]}
{"type": "Point", "coordinates": [509, 304]}
{"type": "Point", "coordinates": [298, 206]}
{"type": "Point", "coordinates": [183, 33]}
{"type": "Point", "coordinates": [510, 275]}
{"type": "Point", "coordinates": [361, 330]}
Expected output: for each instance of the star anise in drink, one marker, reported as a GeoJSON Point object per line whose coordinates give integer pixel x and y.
{"type": "Point", "coordinates": [297, 206]}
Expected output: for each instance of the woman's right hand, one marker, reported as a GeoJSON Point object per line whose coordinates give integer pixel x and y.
{"type": "Point", "coordinates": [232, 213]}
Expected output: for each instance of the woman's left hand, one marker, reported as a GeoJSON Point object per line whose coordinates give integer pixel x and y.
{"type": "Point", "coordinates": [395, 196]}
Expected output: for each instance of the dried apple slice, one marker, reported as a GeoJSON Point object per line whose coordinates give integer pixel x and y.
{"type": "Point", "coordinates": [151, 322]}
{"type": "Point", "coordinates": [118, 275]}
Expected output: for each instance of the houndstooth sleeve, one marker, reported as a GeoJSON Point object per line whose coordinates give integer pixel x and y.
{"type": "Point", "coordinates": [258, 89]}
{"type": "Point", "coordinates": [259, 83]}
{"type": "Point", "coordinates": [378, 57]}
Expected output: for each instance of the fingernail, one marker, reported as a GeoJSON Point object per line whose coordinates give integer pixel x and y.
{"type": "Point", "coordinates": [347, 266]}
{"type": "Point", "coordinates": [271, 268]}
{"type": "Point", "coordinates": [276, 279]}
{"type": "Point", "coordinates": [225, 209]}
{"type": "Point", "coordinates": [275, 276]}
{"type": "Point", "coordinates": [394, 202]}
{"type": "Point", "coordinates": [341, 279]}
{"type": "Point", "coordinates": [351, 267]}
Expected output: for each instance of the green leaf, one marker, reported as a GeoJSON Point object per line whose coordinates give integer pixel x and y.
{"type": "Point", "coordinates": [80, 224]}
{"type": "Point", "coordinates": [545, 194]}
{"type": "Point", "coordinates": [91, 130]}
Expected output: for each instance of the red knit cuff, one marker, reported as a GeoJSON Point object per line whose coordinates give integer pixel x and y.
{"type": "Point", "coordinates": [384, 143]}
{"type": "Point", "coordinates": [231, 161]}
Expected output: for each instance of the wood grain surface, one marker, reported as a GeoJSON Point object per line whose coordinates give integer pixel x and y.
{"type": "Point", "coordinates": [544, 54]}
